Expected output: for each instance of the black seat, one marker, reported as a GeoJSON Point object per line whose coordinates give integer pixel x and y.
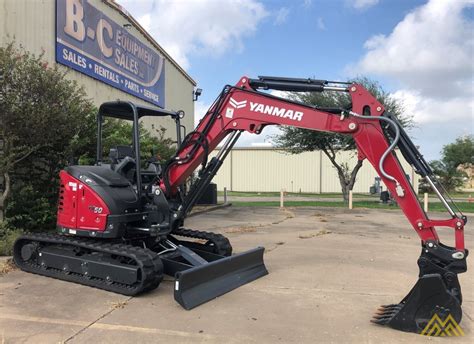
{"type": "Point", "coordinates": [126, 168]}
{"type": "Point", "coordinates": [123, 161]}
{"type": "Point", "coordinates": [118, 153]}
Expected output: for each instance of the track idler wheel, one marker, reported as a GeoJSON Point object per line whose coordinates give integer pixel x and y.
{"type": "Point", "coordinates": [29, 251]}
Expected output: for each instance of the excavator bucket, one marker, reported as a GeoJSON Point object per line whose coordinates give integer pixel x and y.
{"type": "Point", "coordinates": [203, 276]}
{"type": "Point", "coordinates": [433, 305]}
{"type": "Point", "coordinates": [428, 298]}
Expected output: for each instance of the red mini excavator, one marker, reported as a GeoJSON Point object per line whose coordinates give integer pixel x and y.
{"type": "Point", "coordinates": [121, 221]}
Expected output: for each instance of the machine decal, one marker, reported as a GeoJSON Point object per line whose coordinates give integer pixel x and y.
{"type": "Point", "coordinates": [276, 111]}
{"type": "Point", "coordinates": [229, 113]}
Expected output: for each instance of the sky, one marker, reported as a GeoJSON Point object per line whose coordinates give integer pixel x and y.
{"type": "Point", "coordinates": [419, 51]}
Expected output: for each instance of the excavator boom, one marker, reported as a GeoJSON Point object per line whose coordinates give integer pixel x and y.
{"type": "Point", "coordinates": [376, 133]}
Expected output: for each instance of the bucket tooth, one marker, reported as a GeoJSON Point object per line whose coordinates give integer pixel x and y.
{"type": "Point", "coordinates": [390, 306]}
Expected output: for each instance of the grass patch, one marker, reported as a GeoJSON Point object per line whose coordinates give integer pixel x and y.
{"type": "Point", "coordinates": [464, 206]}
{"type": "Point", "coordinates": [458, 194]}
{"type": "Point", "coordinates": [296, 194]}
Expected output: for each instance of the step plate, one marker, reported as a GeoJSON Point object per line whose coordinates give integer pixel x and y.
{"type": "Point", "coordinates": [203, 283]}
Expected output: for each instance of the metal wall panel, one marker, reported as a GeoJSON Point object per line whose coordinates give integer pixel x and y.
{"type": "Point", "coordinates": [267, 170]}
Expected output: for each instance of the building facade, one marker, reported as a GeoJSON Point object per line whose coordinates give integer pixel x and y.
{"type": "Point", "coordinates": [104, 49]}
{"type": "Point", "coordinates": [260, 169]}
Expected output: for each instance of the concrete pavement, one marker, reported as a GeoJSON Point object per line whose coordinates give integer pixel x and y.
{"type": "Point", "coordinates": [329, 270]}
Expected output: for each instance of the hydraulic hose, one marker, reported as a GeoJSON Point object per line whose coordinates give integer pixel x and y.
{"type": "Point", "coordinates": [400, 191]}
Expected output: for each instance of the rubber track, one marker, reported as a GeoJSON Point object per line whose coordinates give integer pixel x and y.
{"type": "Point", "coordinates": [222, 245]}
{"type": "Point", "coordinates": [148, 262]}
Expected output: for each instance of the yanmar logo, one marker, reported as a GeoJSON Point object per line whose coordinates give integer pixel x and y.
{"type": "Point", "coordinates": [236, 104]}
{"type": "Point", "coordinates": [264, 109]}
{"type": "Point", "coordinates": [276, 111]}
{"type": "Point", "coordinates": [229, 113]}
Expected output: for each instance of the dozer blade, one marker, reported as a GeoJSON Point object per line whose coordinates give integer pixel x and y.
{"type": "Point", "coordinates": [208, 281]}
{"type": "Point", "coordinates": [416, 313]}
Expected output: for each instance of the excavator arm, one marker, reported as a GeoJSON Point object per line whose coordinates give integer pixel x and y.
{"type": "Point", "coordinates": [376, 133]}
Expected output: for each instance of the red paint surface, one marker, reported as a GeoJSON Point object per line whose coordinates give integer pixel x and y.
{"type": "Point", "coordinates": [79, 204]}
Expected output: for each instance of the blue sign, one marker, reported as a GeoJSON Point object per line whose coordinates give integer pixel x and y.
{"type": "Point", "coordinates": [93, 44]}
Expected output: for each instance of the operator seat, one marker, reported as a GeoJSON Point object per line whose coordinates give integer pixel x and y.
{"type": "Point", "coordinates": [123, 161]}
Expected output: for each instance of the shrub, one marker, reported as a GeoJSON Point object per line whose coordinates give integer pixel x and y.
{"type": "Point", "coordinates": [7, 238]}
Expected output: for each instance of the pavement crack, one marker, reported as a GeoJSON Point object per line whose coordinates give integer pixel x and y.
{"type": "Point", "coordinates": [253, 228]}
{"type": "Point", "coordinates": [97, 320]}
{"type": "Point", "coordinates": [314, 234]}
{"type": "Point", "coordinates": [275, 246]}
{"type": "Point", "coordinates": [288, 215]}
{"type": "Point", "coordinates": [467, 315]}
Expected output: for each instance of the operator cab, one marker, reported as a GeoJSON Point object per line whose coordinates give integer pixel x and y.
{"type": "Point", "coordinates": [126, 160]}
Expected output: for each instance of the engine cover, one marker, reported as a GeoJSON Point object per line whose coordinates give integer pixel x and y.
{"type": "Point", "coordinates": [96, 200]}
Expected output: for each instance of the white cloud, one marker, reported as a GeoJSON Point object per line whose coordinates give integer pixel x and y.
{"type": "Point", "coordinates": [432, 47]}
{"type": "Point", "coordinates": [278, 93]}
{"type": "Point", "coordinates": [205, 27]}
{"type": "Point", "coordinates": [281, 16]}
{"type": "Point", "coordinates": [430, 55]}
{"type": "Point", "coordinates": [436, 111]}
{"type": "Point", "coordinates": [200, 109]}
{"type": "Point", "coordinates": [320, 23]}
{"type": "Point", "coordinates": [307, 3]}
{"type": "Point", "coordinates": [363, 4]}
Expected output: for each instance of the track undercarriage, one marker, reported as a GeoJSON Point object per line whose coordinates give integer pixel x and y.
{"type": "Point", "coordinates": [130, 267]}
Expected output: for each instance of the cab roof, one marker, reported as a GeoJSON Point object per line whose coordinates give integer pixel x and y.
{"type": "Point", "coordinates": [125, 110]}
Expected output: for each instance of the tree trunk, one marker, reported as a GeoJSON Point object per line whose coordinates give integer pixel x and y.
{"type": "Point", "coordinates": [347, 181]}
{"type": "Point", "coordinates": [2, 218]}
{"type": "Point", "coordinates": [354, 172]}
{"type": "Point", "coordinates": [344, 186]}
{"type": "Point", "coordinates": [4, 196]}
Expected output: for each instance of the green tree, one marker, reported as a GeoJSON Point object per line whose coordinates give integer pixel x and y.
{"type": "Point", "coordinates": [45, 120]}
{"type": "Point", "coordinates": [455, 157]}
{"type": "Point", "coordinates": [460, 152]}
{"type": "Point", "coordinates": [297, 140]}
{"type": "Point", "coordinates": [449, 177]}
{"type": "Point", "coordinates": [40, 112]}
{"type": "Point", "coordinates": [118, 132]}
